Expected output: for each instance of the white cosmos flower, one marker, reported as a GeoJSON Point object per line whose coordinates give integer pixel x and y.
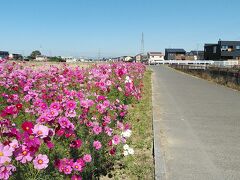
{"type": "Point", "coordinates": [125, 153]}
{"type": "Point", "coordinates": [128, 79]}
{"type": "Point", "coordinates": [131, 151]}
{"type": "Point", "coordinates": [127, 133]}
{"type": "Point", "coordinates": [126, 147]}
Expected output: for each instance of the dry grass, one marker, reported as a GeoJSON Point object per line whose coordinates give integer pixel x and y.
{"type": "Point", "coordinates": [219, 80]}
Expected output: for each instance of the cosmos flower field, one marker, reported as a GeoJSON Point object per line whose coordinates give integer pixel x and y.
{"type": "Point", "coordinates": [63, 122]}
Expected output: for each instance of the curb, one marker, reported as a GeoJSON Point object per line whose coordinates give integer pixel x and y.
{"type": "Point", "coordinates": [159, 161]}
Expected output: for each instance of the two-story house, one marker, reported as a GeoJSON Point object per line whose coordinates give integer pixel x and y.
{"type": "Point", "coordinates": [155, 57]}
{"type": "Point", "coordinates": [175, 54]}
{"type": "Point", "coordinates": [223, 50]}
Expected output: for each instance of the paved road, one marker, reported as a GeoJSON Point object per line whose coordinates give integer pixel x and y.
{"type": "Point", "coordinates": [196, 126]}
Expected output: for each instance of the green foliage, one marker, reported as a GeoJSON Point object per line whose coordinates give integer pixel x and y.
{"type": "Point", "coordinates": [56, 59]}
{"type": "Point", "coordinates": [35, 53]}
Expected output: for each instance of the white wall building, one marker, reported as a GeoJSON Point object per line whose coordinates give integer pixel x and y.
{"type": "Point", "coordinates": [155, 57]}
{"type": "Point", "coordinates": [69, 59]}
{"type": "Point", "coordinates": [41, 58]}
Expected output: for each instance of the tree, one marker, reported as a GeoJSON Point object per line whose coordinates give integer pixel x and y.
{"type": "Point", "coordinates": [35, 53]}
{"type": "Point", "coordinates": [56, 59]}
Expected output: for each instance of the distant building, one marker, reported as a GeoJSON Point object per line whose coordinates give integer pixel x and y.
{"type": "Point", "coordinates": [175, 54]}
{"type": "Point", "coordinates": [4, 54]}
{"type": "Point", "coordinates": [127, 58]}
{"type": "Point", "coordinates": [41, 58]}
{"type": "Point", "coordinates": [69, 59]}
{"type": "Point", "coordinates": [141, 58]}
{"type": "Point", "coordinates": [155, 57]}
{"type": "Point", "coordinates": [15, 57]}
{"type": "Point", "coordinates": [194, 55]}
{"type": "Point", "coordinates": [223, 50]}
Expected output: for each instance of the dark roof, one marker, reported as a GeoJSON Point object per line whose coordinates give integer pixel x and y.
{"type": "Point", "coordinates": [229, 41]}
{"type": "Point", "coordinates": [175, 50]}
{"type": "Point", "coordinates": [155, 53]}
{"type": "Point", "coordinates": [210, 44]}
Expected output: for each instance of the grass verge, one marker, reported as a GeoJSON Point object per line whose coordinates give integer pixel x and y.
{"type": "Point", "coordinates": [141, 164]}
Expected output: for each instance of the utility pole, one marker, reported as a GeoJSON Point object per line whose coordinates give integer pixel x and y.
{"type": "Point", "coordinates": [142, 44]}
{"type": "Point", "coordinates": [197, 51]}
{"type": "Point", "coordinates": [99, 54]}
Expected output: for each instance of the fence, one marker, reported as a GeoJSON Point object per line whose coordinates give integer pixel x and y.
{"type": "Point", "coordinates": [222, 75]}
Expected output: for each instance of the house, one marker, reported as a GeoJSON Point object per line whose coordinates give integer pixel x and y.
{"type": "Point", "coordinates": [15, 57]}
{"type": "Point", "coordinates": [155, 57]}
{"type": "Point", "coordinates": [4, 54]}
{"type": "Point", "coordinates": [69, 59]}
{"type": "Point", "coordinates": [223, 50]}
{"type": "Point", "coordinates": [194, 55]}
{"type": "Point", "coordinates": [41, 58]}
{"type": "Point", "coordinates": [175, 54]}
{"type": "Point", "coordinates": [141, 58]}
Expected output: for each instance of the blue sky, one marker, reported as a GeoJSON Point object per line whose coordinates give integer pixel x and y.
{"type": "Point", "coordinates": [114, 27]}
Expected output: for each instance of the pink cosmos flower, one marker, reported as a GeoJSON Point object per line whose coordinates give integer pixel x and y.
{"type": "Point", "coordinates": [70, 113]}
{"type": "Point", "coordinates": [40, 130]}
{"type": "Point", "coordinates": [116, 139]}
{"type": "Point", "coordinates": [76, 177]}
{"type": "Point", "coordinates": [97, 145]}
{"type": "Point", "coordinates": [108, 130]}
{"type": "Point", "coordinates": [40, 162]}
{"type": "Point", "coordinates": [107, 119]}
{"type": "Point", "coordinates": [43, 119]}
{"type": "Point", "coordinates": [97, 129]}
{"type": "Point", "coordinates": [5, 153]}
{"type": "Point", "coordinates": [14, 144]}
{"type": "Point", "coordinates": [53, 113]}
{"type": "Point", "coordinates": [87, 158]}
{"type": "Point", "coordinates": [6, 171]}
{"type": "Point", "coordinates": [77, 167]}
{"type": "Point", "coordinates": [71, 104]}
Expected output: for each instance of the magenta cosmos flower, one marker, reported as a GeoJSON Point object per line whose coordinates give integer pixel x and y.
{"type": "Point", "coordinates": [55, 105]}
{"type": "Point", "coordinates": [76, 177]}
{"type": "Point", "coordinates": [23, 155]}
{"type": "Point", "coordinates": [40, 130]}
{"type": "Point", "coordinates": [41, 162]}
{"type": "Point", "coordinates": [64, 122]}
{"type": "Point", "coordinates": [71, 104]}
{"type": "Point", "coordinates": [5, 153]}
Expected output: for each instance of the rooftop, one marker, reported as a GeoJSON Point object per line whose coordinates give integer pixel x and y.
{"type": "Point", "coordinates": [175, 50]}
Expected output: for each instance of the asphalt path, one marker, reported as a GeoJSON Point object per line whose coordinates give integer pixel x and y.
{"type": "Point", "coordinates": [196, 128]}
